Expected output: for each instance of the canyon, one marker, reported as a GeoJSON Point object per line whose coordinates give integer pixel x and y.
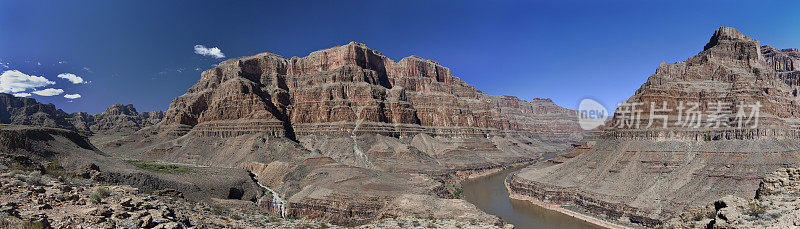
{"type": "Point", "coordinates": [344, 135]}
{"type": "Point", "coordinates": [642, 168]}
{"type": "Point", "coordinates": [348, 135]}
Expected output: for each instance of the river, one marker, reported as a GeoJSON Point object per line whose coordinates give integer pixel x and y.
{"type": "Point", "coordinates": [489, 193]}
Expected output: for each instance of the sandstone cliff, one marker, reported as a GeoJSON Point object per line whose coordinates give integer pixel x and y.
{"type": "Point", "coordinates": [646, 174]}
{"type": "Point", "coordinates": [348, 135]}
{"type": "Point", "coordinates": [352, 88]}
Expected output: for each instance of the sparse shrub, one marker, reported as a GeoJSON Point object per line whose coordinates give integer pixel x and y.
{"type": "Point", "coordinates": [431, 225]}
{"type": "Point", "coordinates": [218, 209]}
{"type": "Point", "coordinates": [16, 172]}
{"type": "Point", "coordinates": [698, 217]}
{"type": "Point", "coordinates": [34, 178]}
{"type": "Point", "coordinates": [99, 194]}
{"type": "Point", "coordinates": [96, 199]}
{"type": "Point", "coordinates": [56, 171]}
{"type": "Point", "coordinates": [20, 177]}
{"type": "Point", "coordinates": [15, 183]}
{"type": "Point", "coordinates": [457, 193]}
{"type": "Point", "coordinates": [755, 209]}
{"type": "Point", "coordinates": [415, 223]}
{"type": "Point", "coordinates": [711, 214]}
{"type": "Point", "coordinates": [703, 214]}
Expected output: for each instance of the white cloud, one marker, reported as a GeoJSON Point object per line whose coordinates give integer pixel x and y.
{"type": "Point", "coordinates": [23, 94]}
{"type": "Point", "coordinates": [72, 96]}
{"type": "Point", "coordinates": [214, 52]}
{"type": "Point", "coordinates": [48, 92]}
{"type": "Point", "coordinates": [16, 81]}
{"type": "Point", "coordinates": [71, 77]}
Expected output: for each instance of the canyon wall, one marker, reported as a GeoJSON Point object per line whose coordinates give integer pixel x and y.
{"type": "Point", "coordinates": [650, 164]}
{"type": "Point", "coordinates": [349, 135]}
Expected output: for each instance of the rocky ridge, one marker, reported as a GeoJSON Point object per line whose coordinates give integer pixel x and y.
{"type": "Point", "coordinates": [116, 120]}
{"type": "Point", "coordinates": [647, 174]}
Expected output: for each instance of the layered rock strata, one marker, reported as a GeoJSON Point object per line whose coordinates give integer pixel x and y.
{"type": "Point", "coordinates": [352, 88]}
{"type": "Point", "coordinates": [349, 135]}
{"type": "Point", "coordinates": [650, 171]}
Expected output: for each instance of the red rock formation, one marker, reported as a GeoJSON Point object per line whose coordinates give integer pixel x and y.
{"type": "Point", "coordinates": [646, 175]}
{"type": "Point", "coordinates": [332, 90]}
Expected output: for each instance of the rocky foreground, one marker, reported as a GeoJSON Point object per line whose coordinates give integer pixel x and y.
{"type": "Point", "coordinates": [776, 205]}
{"type": "Point", "coordinates": [33, 200]}
{"type": "Point", "coordinates": [651, 162]}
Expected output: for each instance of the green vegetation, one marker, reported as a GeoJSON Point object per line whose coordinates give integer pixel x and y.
{"type": "Point", "coordinates": [159, 167]}
{"type": "Point", "coordinates": [457, 193]}
{"type": "Point", "coordinates": [99, 194]}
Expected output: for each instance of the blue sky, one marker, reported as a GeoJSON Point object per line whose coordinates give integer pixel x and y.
{"type": "Point", "coordinates": [142, 52]}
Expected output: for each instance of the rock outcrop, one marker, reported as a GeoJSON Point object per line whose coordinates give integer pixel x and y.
{"type": "Point", "coordinates": [645, 170]}
{"type": "Point", "coordinates": [774, 206]}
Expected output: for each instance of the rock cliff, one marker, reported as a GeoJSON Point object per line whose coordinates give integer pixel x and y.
{"type": "Point", "coordinates": [352, 88]}
{"type": "Point", "coordinates": [645, 170]}
{"type": "Point", "coordinates": [349, 135]}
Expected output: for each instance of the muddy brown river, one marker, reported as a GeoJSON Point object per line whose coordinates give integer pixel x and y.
{"type": "Point", "coordinates": [490, 195]}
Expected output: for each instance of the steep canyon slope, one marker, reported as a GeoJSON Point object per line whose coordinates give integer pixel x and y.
{"type": "Point", "coordinates": [648, 166]}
